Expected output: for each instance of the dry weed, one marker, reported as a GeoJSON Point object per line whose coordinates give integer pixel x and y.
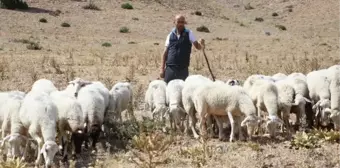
{"type": "Point", "coordinates": [151, 149]}
{"type": "Point", "coordinates": [13, 164]}
{"type": "Point", "coordinates": [199, 155]}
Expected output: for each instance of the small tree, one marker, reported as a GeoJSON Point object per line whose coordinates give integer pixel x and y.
{"type": "Point", "coordinates": [13, 4]}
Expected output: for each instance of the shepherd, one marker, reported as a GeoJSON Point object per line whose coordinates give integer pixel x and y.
{"type": "Point", "coordinates": [176, 55]}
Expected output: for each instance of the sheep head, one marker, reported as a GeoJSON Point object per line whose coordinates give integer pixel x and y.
{"type": "Point", "coordinates": [272, 122]}
{"type": "Point", "coordinates": [76, 85]}
{"type": "Point", "coordinates": [322, 108]}
{"type": "Point", "coordinates": [233, 82]}
{"type": "Point", "coordinates": [49, 150]}
{"type": "Point", "coordinates": [251, 122]}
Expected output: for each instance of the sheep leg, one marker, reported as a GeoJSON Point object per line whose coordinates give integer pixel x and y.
{"type": "Point", "coordinates": [65, 146]}
{"type": "Point", "coordinates": [193, 123]}
{"type": "Point", "coordinates": [286, 119]}
{"type": "Point", "coordinates": [40, 145]}
{"type": "Point", "coordinates": [232, 123]}
{"type": "Point", "coordinates": [221, 135]}
{"type": "Point", "coordinates": [24, 155]}
{"type": "Point", "coordinates": [209, 126]}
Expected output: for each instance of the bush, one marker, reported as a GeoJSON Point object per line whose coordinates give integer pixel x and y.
{"type": "Point", "coordinates": [275, 14]}
{"type": "Point", "coordinates": [91, 6]}
{"type": "Point", "coordinates": [43, 20]}
{"type": "Point", "coordinates": [65, 25]}
{"type": "Point", "coordinates": [13, 4]}
{"type": "Point", "coordinates": [124, 30]}
{"type": "Point", "coordinates": [33, 46]}
{"type": "Point", "coordinates": [127, 6]}
{"type": "Point", "coordinates": [259, 19]}
{"type": "Point", "coordinates": [106, 44]}
{"type": "Point", "coordinates": [281, 27]}
{"type": "Point", "coordinates": [203, 29]}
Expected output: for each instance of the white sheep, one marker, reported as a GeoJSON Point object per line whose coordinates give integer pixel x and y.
{"type": "Point", "coordinates": [70, 121]}
{"type": "Point", "coordinates": [233, 82]}
{"type": "Point", "coordinates": [93, 105]}
{"type": "Point", "coordinates": [37, 118]}
{"type": "Point", "coordinates": [298, 75]}
{"type": "Point", "coordinates": [191, 83]}
{"type": "Point", "coordinates": [224, 100]}
{"type": "Point", "coordinates": [44, 85]}
{"type": "Point", "coordinates": [264, 95]}
{"type": "Point", "coordinates": [248, 83]}
{"type": "Point", "coordinates": [301, 100]}
{"type": "Point", "coordinates": [174, 98]}
{"type": "Point", "coordinates": [335, 95]}
{"type": "Point", "coordinates": [121, 98]}
{"type": "Point", "coordinates": [279, 76]}
{"type": "Point", "coordinates": [155, 98]}
{"type": "Point", "coordinates": [318, 86]}
{"type": "Point", "coordinates": [10, 108]}
{"type": "Point", "coordinates": [286, 100]}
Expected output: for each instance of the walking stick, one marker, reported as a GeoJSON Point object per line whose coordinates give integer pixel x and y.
{"type": "Point", "coordinates": [206, 59]}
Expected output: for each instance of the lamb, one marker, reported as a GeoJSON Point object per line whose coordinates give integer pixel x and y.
{"type": "Point", "coordinates": [301, 101]}
{"type": "Point", "coordinates": [248, 83]}
{"type": "Point", "coordinates": [286, 99]}
{"type": "Point", "coordinates": [191, 83]}
{"type": "Point", "coordinates": [9, 109]}
{"type": "Point", "coordinates": [44, 85]}
{"type": "Point", "coordinates": [174, 98]}
{"type": "Point", "coordinates": [335, 95]}
{"type": "Point", "coordinates": [264, 95]}
{"type": "Point", "coordinates": [279, 76]}
{"type": "Point", "coordinates": [225, 100]}
{"type": "Point", "coordinates": [121, 98]}
{"type": "Point", "coordinates": [93, 105]}
{"type": "Point", "coordinates": [297, 75]}
{"type": "Point", "coordinates": [70, 120]}
{"type": "Point", "coordinates": [155, 98]}
{"type": "Point", "coordinates": [318, 86]}
{"type": "Point", "coordinates": [37, 118]}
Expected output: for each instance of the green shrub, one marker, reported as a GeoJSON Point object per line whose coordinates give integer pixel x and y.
{"type": "Point", "coordinates": [13, 4]}
{"type": "Point", "coordinates": [124, 30]}
{"type": "Point", "coordinates": [91, 6]}
{"type": "Point", "coordinates": [65, 25]}
{"type": "Point", "coordinates": [106, 44]}
{"type": "Point", "coordinates": [203, 29]}
{"type": "Point", "coordinates": [43, 20]}
{"type": "Point", "coordinates": [127, 6]}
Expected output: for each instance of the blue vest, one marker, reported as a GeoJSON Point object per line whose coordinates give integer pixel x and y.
{"type": "Point", "coordinates": [179, 50]}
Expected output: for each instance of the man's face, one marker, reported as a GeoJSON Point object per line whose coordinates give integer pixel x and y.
{"type": "Point", "coordinates": [180, 22]}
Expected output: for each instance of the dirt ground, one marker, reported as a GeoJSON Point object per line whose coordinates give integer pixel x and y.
{"type": "Point", "coordinates": [237, 46]}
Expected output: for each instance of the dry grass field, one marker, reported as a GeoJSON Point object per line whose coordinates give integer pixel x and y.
{"type": "Point", "coordinates": [95, 46]}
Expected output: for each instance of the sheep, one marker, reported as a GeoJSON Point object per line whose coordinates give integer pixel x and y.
{"type": "Point", "coordinates": [121, 98]}
{"type": "Point", "coordinates": [44, 85]}
{"type": "Point", "coordinates": [302, 100]}
{"type": "Point", "coordinates": [279, 76]}
{"type": "Point", "coordinates": [70, 120]}
{"type": "Point", "coordinates": [248, 83]}
{"type": "Point", "coordinates": [233, 82]}
{"type": "Point", "coordinates": [264, 95]}
{"type": "Point", "coordinates": [297, 75]}
{"type": "Point", "coordinates": [37, 118]}
{"type": "Point", "coordinates": [318, 86]}
{"type": "Point", "coordinates": [93, 105]}
{"type": "Point", "coordinates": [191, 83]}
{"type": "Point", "coordinates": [225, 100]}
{"type": "Point", "coordinates": [286, 99]}
{"type": "Point", "coordinates": [9, 109]}
{"type": "Point", "coordinates": [335, 95]}
{"type": "Point", "coordinates": [174, 98]}
{"type": "Point", "coordinates": [155, 98]}
{"type": "Point", "coordinates": [94, 108]}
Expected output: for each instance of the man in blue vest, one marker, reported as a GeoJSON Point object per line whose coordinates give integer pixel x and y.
{"type": "Point", "coordinates": [176, 55]}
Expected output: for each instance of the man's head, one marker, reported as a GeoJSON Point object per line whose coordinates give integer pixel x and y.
{"type": "Point", "coordinates": [180, 22]}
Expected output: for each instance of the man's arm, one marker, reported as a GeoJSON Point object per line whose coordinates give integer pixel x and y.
{"type": "Point", "coordinates": [165, 54]}
{"type": "Point", "coordinates": [197, 45]}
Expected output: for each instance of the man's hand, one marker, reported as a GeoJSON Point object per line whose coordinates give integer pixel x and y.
{"type": "Point", "coordinates": [202, 43]}
{"type": "Point", "coordinates": [161, 74]}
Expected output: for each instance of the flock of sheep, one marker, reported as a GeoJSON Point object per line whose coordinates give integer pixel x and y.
{"type": "Point", "coordinates": [79, 112]}
{"type": "Point", "coordinates": [269, 100]}
{"type": "Point", "coordinates": [74, 115]}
